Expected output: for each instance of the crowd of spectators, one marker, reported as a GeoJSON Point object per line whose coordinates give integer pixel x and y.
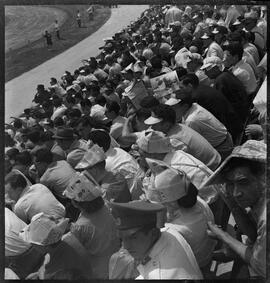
{"type": "Point", "coordinates": [108, 178]}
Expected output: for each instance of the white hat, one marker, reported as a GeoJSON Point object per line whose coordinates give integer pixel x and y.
{"type": "Point", "coordinates": [166, 183]}
{"type": "Point", "coordinates": [215, 31]}
{"type": "Point", "coordinates": [44, 230]}
{"type": "Point", "coordinates": [93, 156]}
{"type": "Point", "coordinates": [236, 23]}
{"type": "Point", "coordinates": [152, 120]}
{"type": "Point", "coordinates": [205, 36]}
{"type": "Point", "coordinates": [211, 62]}
{"type": "Point", "coordinates": [172, 101]}
{"type": "Point", "coordinates": [82, 189]}
{"type": "Point", "coordinates": [154, 142]}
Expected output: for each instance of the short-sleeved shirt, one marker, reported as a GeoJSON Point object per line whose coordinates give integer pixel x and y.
{"type": "Point", "coordinates": [35, 199]}
{"type": "Point", "coordinates": [191, 223]}
{"type": "Point", "coordinates": [57, 177]}
{"type": "Point", "coordinates": [206, 124]}
{"type": "Point", "coordinates": [14, 244]}
{"type": "Point", "coordinates": [184, 138]}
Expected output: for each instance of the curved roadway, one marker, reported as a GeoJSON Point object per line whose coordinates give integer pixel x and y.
{"type": "Point", "coordinates": [20, 91]}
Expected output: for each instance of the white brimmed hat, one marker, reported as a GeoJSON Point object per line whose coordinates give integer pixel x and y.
{"type": "Point", "coordinates": [211, 62]}
{"type": "Point", "coordinates": [44, 230]}
{"type": "Point", "coordinates": [172, 101]}
{"type": "Point", "coordinates": [166, 183]}
{"type": "Point", "coordinates": [152, 120]}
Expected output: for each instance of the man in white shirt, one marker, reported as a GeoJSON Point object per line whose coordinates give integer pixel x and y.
{"type": "Point", "coordinates": [158, 254]}
{"type": "Point", "coordinates": [211, 47]}
{"type": "Point", "coordinates": [30, 200]}
{"type": "Point", "coordinates": [233, 59]}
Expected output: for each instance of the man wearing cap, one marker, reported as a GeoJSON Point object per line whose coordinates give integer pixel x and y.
{"type": "Point", "coordinates": [95, 228]}
{"type": "Point", "coordinates": [158, 253]}
{"type": "Point", "coordinates": [73, 147]}
{"type": "Point", "coordinates": [31, 199]}
{"type": "Point", "coordinates": [212, 48]}
{"type": "Point", "coordinates": [156, 145]}
{"type": "Point", "coordinates": [163, 119]}
{"type": "Point", "coordinates": [186, 211]}
{"type": "Point", "coordinates": [114, 186]}
{"type": "Point", "coordinates": [243, 172]}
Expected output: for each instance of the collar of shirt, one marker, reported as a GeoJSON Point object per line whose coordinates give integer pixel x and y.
{"type": "Point", "coordinates": [188, 112]}
{"type": "Point", "coordinates": [237, 65]}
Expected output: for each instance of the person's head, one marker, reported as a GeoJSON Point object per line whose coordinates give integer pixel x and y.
{"type": "Point", "coordinates": [42, 159]}
{"type": "Point", "coordinates": [195, 62]}
{"type": "Point", "coordinates": [109, 59]}
{"type": "Point", "coordinates": [246, 180]}
{"type": "Point", "coordinates": [149, 102]}
{"type": "Point", "coordinates": [53, 81]}
{"type": "Point", "coordinates": [198, 17]}
{"type": "Point", "coordinates": [187, 85]}
{"type": "Point", "coordinates": [23, 158]}
{"type": "Point", "coordinates": [112, 109]}
{"type": "Point", "coordinates": [220, 34]}
{"type": "Point", "coordinates": [101, 138]}
{"type": "Point", "coordinates": [156, 62]}
{"type": "Point", "coordinates": [232, 54]}
{"type": "Point", "coordinates": [101, 100]}
{"type": "Point", "coordinates": [15, 183]}
{"type": "Point", "coordinates": [11, 155]}
{"type": "Point", "coordinates": [137, 226]}
{"type": "Point", "coordinates": [58, 122]}
{"type": "Point", "coordinates": [207, 38]}
{"type": "Point", "coordinates": [64, 137]}
{"type": "Point", "coordinates": [86, 106]}
{"type": "Point", "coordinates": [212, 66]}
{"type": "Point", "coordinates": [163, 118]}
{"type": "Point", "coordinates": [47, 139]}
{"type": "Point", "coordinates": [251, 19]}
{"type": "Point", "coordinates": [187, 39]}
{"type": "Point", "coordinates": [85, 126]}
{"type": "Point", "coordinates": [141, 115]}
{"type": "Point", "coordinates": [34, 136]}
{"type": "Point", "coordinates": [243, 172]}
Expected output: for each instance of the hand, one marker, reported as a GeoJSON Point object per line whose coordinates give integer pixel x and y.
{"type": "Point", "coordinates": [253, 130]}
{"type": "Point", "coordinates": [215, 231]}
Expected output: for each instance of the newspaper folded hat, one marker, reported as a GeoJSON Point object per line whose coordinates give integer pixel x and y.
{"type": "Point", "coordinates": [166, 184]}
{"type": "Point", "coordinates": [250, 150]}
{"type": "Point", "coordinates": [82, 189]}
{"type": "Point", "coordinates": [94, 155]}
{"type": "Point", "coordinates": [44, 230]}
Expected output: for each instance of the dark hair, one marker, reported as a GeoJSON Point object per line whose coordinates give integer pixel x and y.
{"type": "Point", "coordinates": [34, 136]}
{"type": "Point", "coordinates": [190, 199]}
{"type": "Point", "coordinates": [74, 113]}
{"type": "Point", "coordinates": [86, 102]}
{"type": "Point", "coordinates": [58, 121]}
{"type": "Point", "coordinates": [256, 168]}
{"type": "Point", "coordinates": [11, 153]}
{"type": "Point", "coordinates": [46, 136]}
{"type": "Point", "coordinates": [70, 99]}
{"type": "Point", "coordinates": [101, 138]}
{"type": "Point", "coordinates": [235, 49]}
{"type": "Point", "coordinates": [190, 78]}
{"type": "Point", "coordinates": [91, 206]}
{"type": "Point", "coordinates": [143, 113]}
{"type": "Point", "coordinates": [24, 158]}
{"type": "Point", "coordinates": [57, 102]}
{"type": "Point", "coordinates": [149, 102]}
{"type": "Point", "coordinates": [156, 62]}
{"type": "Point", "coordinates": [44, 155]}
{"type": "Point", "coordinates": [15, 180]}
{"type": "Point", "coordinates": [113, 106]}
{"type": "Point", "coordinates": [101, 100]}
{"type": "Point", "coordinates": [165, 112]}
{"type": "Point", "coordinates": [17, 124]}
{"type": "Point", "coordinates": [180, 72]}
{"type": "Point", "coordinates": [9, 140]}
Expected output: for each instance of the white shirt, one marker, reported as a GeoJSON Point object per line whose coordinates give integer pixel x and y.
{"type": "Point", "coordinates": [206, 124]}
{"type": "Point", "coordinates": [245, 74]}
{"type": "Point", "coordinates": [171, 258]}
{"type": "Point", "coordinates": [191, 223]}
{"type": "Point", "coordinates": [14, 244]}
{"type": "Point", "coordinates": [35, 199]}
{"type": "Point", "coordinates": [116, 130]}
{"type": "Point", "coordinates": [196, 171]}
{"type": "Point", "coordinates": [214, 49]}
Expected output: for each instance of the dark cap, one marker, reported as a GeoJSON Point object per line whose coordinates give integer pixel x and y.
{"type": "Point", "coordinates": [135, 214]}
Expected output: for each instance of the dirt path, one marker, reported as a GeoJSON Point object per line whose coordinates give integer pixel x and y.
{"type": "Point", "coordinates": [20, 91]}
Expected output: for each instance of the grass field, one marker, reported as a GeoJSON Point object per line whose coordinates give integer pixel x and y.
{"type": "Point", "coordinates": [25, 58]}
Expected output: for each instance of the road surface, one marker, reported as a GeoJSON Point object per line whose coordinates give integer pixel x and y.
{"type": "Point", "coordinates": [20, 91]}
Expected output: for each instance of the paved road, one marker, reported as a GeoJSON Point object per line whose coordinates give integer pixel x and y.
{"type": "Point", "coordinates": [20, 91]}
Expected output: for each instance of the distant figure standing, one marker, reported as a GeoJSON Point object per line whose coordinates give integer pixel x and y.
{"type": "Point", "coordinates": [56, 28]}
{"type": "Point", "coordinates": [48, 37]}
{"type": "Point", "coordinates": [90, 12]}
{"type": "Point", "coordinates": [79, 19]}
